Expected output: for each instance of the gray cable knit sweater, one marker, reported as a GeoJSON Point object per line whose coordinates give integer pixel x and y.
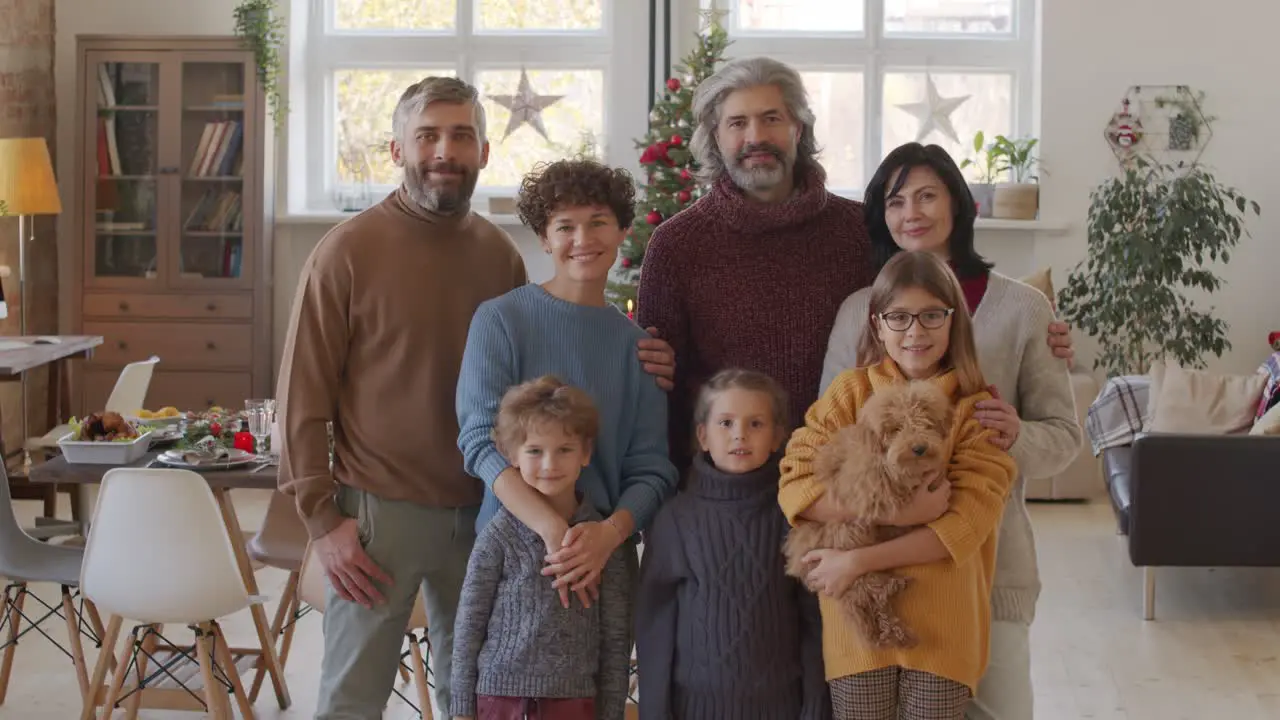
{"type": "Point", "coordinates": [512, 637]}
{"type": "Point", "coordinates": [1011, 329]}
{"type": "Point", "coordinates": [721, 632]}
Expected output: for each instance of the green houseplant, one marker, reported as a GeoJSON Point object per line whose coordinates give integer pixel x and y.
{"type": "Point", "coordinates": [987, 159]}
{"type": "Point", "coordinates": [1019, 198]}
{"type": "Point", "coordinates": [1152, 233]}
{"type": "Point", "coordinates": [261, 29]}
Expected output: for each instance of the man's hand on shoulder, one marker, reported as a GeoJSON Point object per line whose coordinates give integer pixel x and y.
{"type": "Point", "coordinates": [1060, 340]}
{"type": "Point", "coordinates": [658, 359]}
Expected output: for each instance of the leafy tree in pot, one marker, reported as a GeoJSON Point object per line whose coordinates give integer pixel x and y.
{"type": "Point", "coordinates": [1152, 232]}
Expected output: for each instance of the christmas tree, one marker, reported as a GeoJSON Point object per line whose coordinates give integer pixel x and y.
{"type": "Point", "coordinates": [670, 184]}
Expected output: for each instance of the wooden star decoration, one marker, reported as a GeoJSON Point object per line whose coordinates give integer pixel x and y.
{"type": "Point", "coordinates": [934, 112]}
{"type": "Point", "coordinates": [526, 106]}
{"type": "Point", "coordinates": [712, 17]}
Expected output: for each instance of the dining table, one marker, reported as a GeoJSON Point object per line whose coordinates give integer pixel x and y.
{"type": "Point", "coordinates": [260, 476]}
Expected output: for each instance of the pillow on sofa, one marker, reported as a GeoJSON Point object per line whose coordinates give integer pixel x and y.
{"type": "Point", "coordinates": [1269, 423]}
{"type": "Point", "coordinates": [1042, 280]}
{"type": "Point", "coordinates": [1203, 403]}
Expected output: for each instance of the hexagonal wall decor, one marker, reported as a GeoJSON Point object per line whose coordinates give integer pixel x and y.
{"type": "Point", "coordinates": [1165, 123]}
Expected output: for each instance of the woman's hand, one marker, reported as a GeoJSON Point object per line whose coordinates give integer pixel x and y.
{"type": "Point", "coordinates": [831, 572]}
{"type": "Point", "coordinates": [927, 505]}
{"type": "Point", "coordinates": [1001, 417]}
{"type": "Point", "coordinates": [578, 564]}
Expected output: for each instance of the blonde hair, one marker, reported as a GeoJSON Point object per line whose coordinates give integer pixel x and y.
{"type": "Point", "coordinates": [547, 399]}
{"type": "Point", "coordinates": [925, 271]}
{"type": "Point", "coordinates": [740, 379]}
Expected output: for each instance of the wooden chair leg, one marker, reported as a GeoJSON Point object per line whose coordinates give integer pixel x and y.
{"type": "Point", "coordinates": [117, 680]}
{"type": "Point", "coordinates": [76, 493]}
{"type": "Point", "coordinates": [148, 645]}
{"type": "Point", "coordinates": [11, 643]}
{"type": "Point", "coordinates": [284, 614]}
{"type": "Point", "coordinates": [214, 697]}
{"type": "Point", "coordinates": [420, 678]}
{"type": "Point", "coordinates": [106, 661]}
{"type": "Point", "coordinates": [228, 663]}
{"type": "Point", "coordinates": [73, 637]}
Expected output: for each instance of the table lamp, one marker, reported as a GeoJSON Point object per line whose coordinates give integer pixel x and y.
{"type": "Point", "coordinates": [27, 188]}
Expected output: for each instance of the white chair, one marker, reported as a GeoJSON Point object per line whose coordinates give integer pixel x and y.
{"type": "Point", "coordinates": [127, 397]}
{"type": "Point", "coordinates": [158, 552]}
{"type": "Point", "coordinates": [313, 585]}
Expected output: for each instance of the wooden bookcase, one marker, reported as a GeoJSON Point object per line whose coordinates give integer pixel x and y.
{"type": "Point", "coordinates": [172, 215]}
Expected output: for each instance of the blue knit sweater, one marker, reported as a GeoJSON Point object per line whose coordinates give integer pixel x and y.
{"type": "Point", "coordinates": [528, 333]}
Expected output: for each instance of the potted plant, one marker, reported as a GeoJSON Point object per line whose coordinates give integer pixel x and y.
{"type": "Point", "coordinates": [983, 190]}
{"type": "Point", "coordinates": [1018, 199]}
{"type": "Point", "coordinates": [1151, 234]}
{"type": "Point", "coordinates": [261, 29]}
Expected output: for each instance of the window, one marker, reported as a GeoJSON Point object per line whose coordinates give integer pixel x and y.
{"type": "Point", "coordinates": [863, 60]}
{"type": "Point", "coordinates": [358, 56]}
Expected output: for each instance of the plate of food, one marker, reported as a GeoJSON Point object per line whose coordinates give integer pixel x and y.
{"type": "Point", "coordinates": [164, 416]}
{"type": "Point", "coordinates": [208, 456]}
{"type": "Point", "coordinates": [104, 438]}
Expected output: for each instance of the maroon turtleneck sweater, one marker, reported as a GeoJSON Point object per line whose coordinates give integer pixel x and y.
{"type": "Point", "coordinates": [732, 282]}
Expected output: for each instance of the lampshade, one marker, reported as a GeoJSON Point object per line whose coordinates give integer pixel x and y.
{"type": "Point", "coordinates": [27, 186]}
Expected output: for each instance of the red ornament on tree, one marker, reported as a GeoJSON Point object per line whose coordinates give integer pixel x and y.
{"type": "Point", "coordinates": [685, 175]}
{"type": "Point", "coordinates": [673, 84]}
{"type": "Point", "coordinates": [676, 141]}
{"type": "Point", "coordinates": [653, 218]}
{"type": "Point", "coordinates": [684, 196]}
{"type": "Point", "coordinates": [626, 262]}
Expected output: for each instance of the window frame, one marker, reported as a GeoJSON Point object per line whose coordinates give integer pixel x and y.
{"type": "Point", "coordinates": [876, 53]}
{"type": "Point", "coordinates": [623, 60]}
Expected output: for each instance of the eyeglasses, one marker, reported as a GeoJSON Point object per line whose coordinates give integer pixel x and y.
{"type": "Point", "coordinates": [899, 321]}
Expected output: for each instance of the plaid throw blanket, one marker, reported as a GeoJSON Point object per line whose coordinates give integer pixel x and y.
{"type": "Point", "coordinates": [1119, 414]}
{"type": "Point", "coordinates": [1271, 392]}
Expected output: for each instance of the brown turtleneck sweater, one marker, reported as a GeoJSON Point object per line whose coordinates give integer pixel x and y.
{"type": "Point", "coordinates": [732, 282]}
{"type": "Point", "coordinates": [375, 343]}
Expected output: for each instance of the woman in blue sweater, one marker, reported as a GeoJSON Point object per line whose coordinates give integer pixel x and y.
{"type": "Point", "coordinates": [564, 327]}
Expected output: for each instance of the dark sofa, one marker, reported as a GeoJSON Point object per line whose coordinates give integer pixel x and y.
{"type": "Point", "coordinates": [1196, 501]}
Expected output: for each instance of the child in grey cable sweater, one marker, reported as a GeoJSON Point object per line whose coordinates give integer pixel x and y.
{"type": "Point", "coordinates": [517, 651]}
{"type": "Point", "coordinates": [722, 633]}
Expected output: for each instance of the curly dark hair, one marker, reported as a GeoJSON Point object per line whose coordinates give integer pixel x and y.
{"type": "Point", "coordinates": [575, 183]}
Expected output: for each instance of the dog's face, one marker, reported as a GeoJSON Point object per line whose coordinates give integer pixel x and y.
{"type": "Point", "coordinates": [911, 423]}
{"type": "Point", "coordinates": [874, 467]}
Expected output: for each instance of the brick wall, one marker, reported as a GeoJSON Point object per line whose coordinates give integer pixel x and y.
{"type": "Point", "coordinates": [27, 109]}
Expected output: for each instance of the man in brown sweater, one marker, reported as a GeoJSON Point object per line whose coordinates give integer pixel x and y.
{"type": "Point", "coordinates": [375, 343]}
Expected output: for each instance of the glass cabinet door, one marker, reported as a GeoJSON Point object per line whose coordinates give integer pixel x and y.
{"type": "Point", "coordinates": [211, 248]}
{"type": "Point", "coordinates": [123, 170]}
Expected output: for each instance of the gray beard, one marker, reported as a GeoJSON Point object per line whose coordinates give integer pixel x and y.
{"type": "Point", "coordinates": [442, 200]}
{"type": "Point", "coordinates": [760, 178]}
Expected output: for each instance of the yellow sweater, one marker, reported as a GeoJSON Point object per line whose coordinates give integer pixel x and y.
{"type": "Point", "coordinates": [949, 603]}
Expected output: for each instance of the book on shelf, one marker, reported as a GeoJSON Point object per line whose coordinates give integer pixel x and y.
{"type": "Point", "coordinates": [216, 211]}
{"type": "Point", "coordinates": [218, 150]}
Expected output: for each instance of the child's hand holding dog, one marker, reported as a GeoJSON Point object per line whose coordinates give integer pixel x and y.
{"type": "Point", "coordinates": [927, 505]}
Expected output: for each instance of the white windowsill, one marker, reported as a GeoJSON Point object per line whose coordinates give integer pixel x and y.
{"type": "Point", "coordinates": [333, 217]}
{"type": "Point", "coordinates": [1023, 225]}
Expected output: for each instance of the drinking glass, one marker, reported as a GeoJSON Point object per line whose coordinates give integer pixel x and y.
{"type": "Point", "coordinates": [258, 413]}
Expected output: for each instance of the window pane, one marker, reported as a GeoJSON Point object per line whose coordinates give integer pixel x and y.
{"type": "Point", "coordinates": [948, 16]}
{"type": "Point", "coordinates": [570, 121]}
{"type": "Point", "coordinates": [989, 108]}
{"type": "Point", "coordinates": [395, 14]}
{"type": "Point", "coordinates": [362, 124]}
{"type": "Point", "coordinates": [800, 15]}
{"type": "Point", "coordinates": [837, 101]}
{"type": "Point", "coordinates": [538, 15]}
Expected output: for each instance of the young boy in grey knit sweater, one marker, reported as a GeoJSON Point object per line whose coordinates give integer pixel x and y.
{"type": "Point", "coordinates": [722, 633]}
{"type": "Point", "coordinates": [517, 651]}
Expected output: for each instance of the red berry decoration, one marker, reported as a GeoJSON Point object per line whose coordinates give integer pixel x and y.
{"type": "Point", "coordinates": [653, 218]}
{"type": "Point", "coordinates": [215, 429]}
{"type": "Point", "coordinates": [626, 262]}
{"type": "Point", "coordinates": [673, 84]}
{"type": "Point", "coordinates": [684, 196]}
{"type": "Point", "coordinates": [676, 141]}
{"type": "Point", "coordinates": [685, 175]}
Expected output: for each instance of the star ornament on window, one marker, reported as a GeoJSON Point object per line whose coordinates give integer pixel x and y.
{"type": "Point", "coordinates": [526, 106]}
{"type": "Point", "coordinates": [934, 112]}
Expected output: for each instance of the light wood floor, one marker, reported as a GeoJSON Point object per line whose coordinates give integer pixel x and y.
{"type": "Point", "coordinates": [1210, 653]}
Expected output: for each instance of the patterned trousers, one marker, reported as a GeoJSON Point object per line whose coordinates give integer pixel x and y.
{"type": "Point", "coordinates": [895, 693]}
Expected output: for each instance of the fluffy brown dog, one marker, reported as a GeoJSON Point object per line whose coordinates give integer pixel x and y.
{"type": "Point", "coordinates": [873, 469]}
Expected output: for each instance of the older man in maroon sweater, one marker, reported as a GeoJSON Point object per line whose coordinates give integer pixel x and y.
{"type": "Point", "coordinates": [752, 274]}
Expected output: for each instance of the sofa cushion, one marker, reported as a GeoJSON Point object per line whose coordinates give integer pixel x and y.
{"type": "Point", "coordinates": [1116, 463]}
{"type": "Point", "coordinates": [1204, 403]}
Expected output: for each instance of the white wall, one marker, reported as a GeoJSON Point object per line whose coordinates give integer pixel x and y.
{"type": "Point", "coordinates": [1092, 51]}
